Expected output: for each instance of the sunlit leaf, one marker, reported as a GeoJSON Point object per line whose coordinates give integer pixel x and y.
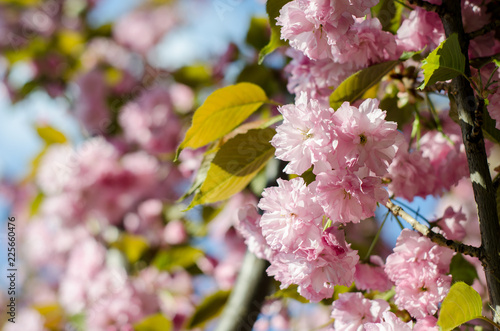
{"type": "Point", "coordinates": [223, 111]}
{"type": "Point", "coordinates": [273, 11]}
{"type": "Point", "coordinates": [36, 203]}
{"type": "Point", "coordinates": [444, 63]}
{"type": "Point", "coordinates": [194, 75]}
{"type": "Point", "coordinates": [156, 322]}
{"type": "Point", "coordinates": [50, 135]}
{"type": "Point", "coordinates": [461, 305]}
{"type": "Point", "coordinates": [70, 42]}
{"type": "Point", "coordinates": [133, 246]}
{"type": "Point", "coordinates": [291, 293]}
{"type": "Point", "coordinates": [52, 314]}
{"type": "Point", "coordinates": [359, 83]}
{"type": "Point", "coordinates": [177, 256]}
{"type": "Point", "coordinates": [209, 308]}
{"type": "Point", "coordinates": [235, 164]}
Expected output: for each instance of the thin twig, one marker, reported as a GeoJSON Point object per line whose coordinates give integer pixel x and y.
{"type": "Point", "coordinates": [484, 30]}
{"type": "Point", "coordinates": [433, 236]}
{"type": "Point", "coordinates": [426, 5]}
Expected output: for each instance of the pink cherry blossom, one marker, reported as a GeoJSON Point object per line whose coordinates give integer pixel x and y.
{"type": "Point", "coordinates": [426, 324]}
{"type": "Point", "coordinates": [347, 196]}
{"type": "Point", "coordinates": [421, 291]}
{"type": "Point", "coordinates": [174, 233]}
{"type": "Point", "coordinates": [411, 175]}
{"type": "Point", "coordinates": [304, 137]}
{"type": "Point", "coordinates": [352, 310]}
{"type": "Point", "coordinates": [368, 45]}
{"type": "Point", "coordinates": [365, 137]}
{"type": "Point", "coordinates": [371, 276]}
{"type": "Point", "coordinates": [390, 322]}
{"type": "Point", "coordinates": [142, 29]}
{"type": "Point", "coordinates": [312, 27]}
{"type": "Point", "coordinates": [150, 122]}
{"type": "Point", "coordinates": [413, 248]}
{"type": "Point", "coordinates": [452, 223]}
{"type": "Point", "coordinates": [421, 29]}
{"type": "Point", "coordinates": [122, 181]}
{"type": "Point", "coordinates": [419, 269]}
{"type": "Point", "coordinates": [333, 264]}
{"type": "Point", "coordinates": [443, 149]}
{"type": "Point", "coordinates": [292, 218]}
{"type": "Point", "coordinates": [315, 78]}
{"type": "Point", "coordinates": [249, 227]}
{"type": "Point", "coordinates": [91, 108]}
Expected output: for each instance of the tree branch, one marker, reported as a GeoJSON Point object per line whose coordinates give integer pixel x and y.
{"type": "Point", "coordinates": [246, 299]}
{"type": "Point", "coordinates": [484, 30]}
{"type": "Point", "coordinates": [426, 5]}
{"type": "Point", "coordinates": [484, 193]}
{"type": "Point", "coordinates": [433, 236]}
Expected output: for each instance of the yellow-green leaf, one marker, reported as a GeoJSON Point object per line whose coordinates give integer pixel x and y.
{"type": "Point", "coordinates": [461, 305]}
{"type": "Point", "coordinates": [70, 42]}
{"type": "Point", "coordinates": [235, 164]}
{"type": "Point", "coordinates": [156, 322]}
{"type": "Point", "coordinates": [50, 135]}
{"type": "Point", "coordinates": [289, 292]}
{"type": "Point", "coordinates": [355, 86]}
{"type": "Point", "coordinates": [36, 203]}
{"type": "Point", "coordinates": [443, 63]}
{"type": "Point", "coordinates": [273, 8]}
{"type": "Point", "coordinates": [210, 307]}
{"type": "Point", "coordinates": [177, 256]}
{"type": "Point", "coordinates": [53, 315]}
{"type": "Point", "coordinates": [132, 246]}
{"type": "Point", "coordinates": [223, 111]}
{"type": "Point", "coordinates": [202, 173]}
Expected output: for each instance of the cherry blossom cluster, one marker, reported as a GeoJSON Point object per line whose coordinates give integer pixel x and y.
{"type": "Point", "coordinates": [419, 268]}
{"type": "Point", "coordinates": [349, 150]}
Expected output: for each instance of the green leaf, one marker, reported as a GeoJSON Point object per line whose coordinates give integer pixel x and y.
{"type": "Point", "coordinates": [462, 270]}
{"type": "Point", "coordinates": [50, 135]}
{"type": "Point", "coordinates": [260, 75]}
{"type": "Point", "coordinates": [156, 322]}
{"type": "Point", "coordinates": [36, 203]}
{"type": "Point", "coordinates": [76, 322]}
{"type": "Point", "coordinates": [273, 11]}
{"type": "Point", "coordinates": [461, 305]}
{"type": "Point", "coordinates": [443, 63]}
{"type": "Point", "coordinates": [209, 308]}
{"type": "Point", "coordinates": [357, 84]}
{"type": "Point", "coordinates": [177, 256]}
{"type": "Point", "coordinates": [389, 13]}
{"type": "Point", "coordinates": [201, 175]}
{"type": "Point", "coordinates": [291, 293]}
{"type": "Point", "coordinates": [257, 32]}
{"type": "Point", "coordinates": [235, 164]}
{"type": "Point", "coordinates": [223, 111]}
{"type": "Point", "coordinates": [132, 246]}
{"type": "Point", "coordinates": [194, 75]}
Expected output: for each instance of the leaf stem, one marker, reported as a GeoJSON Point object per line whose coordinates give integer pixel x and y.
{"type": "Point", "coordinates": [375, 239]}
{"type": "Point", "coordinates": [489, 321]}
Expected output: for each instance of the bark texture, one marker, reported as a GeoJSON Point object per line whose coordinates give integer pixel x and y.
{"type": "Point", "coordinates": [484, 192]}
